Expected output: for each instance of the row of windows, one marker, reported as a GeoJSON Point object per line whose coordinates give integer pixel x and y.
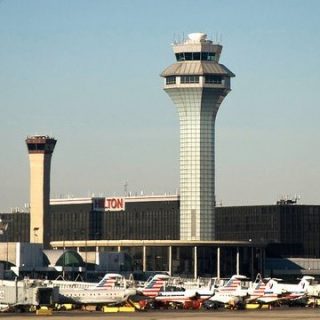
{"type": "Point", "coordinates": [36, 146]}
{"type": "Point", "coordinates": [189, 79]}
{"type": "Point", "coordinates": [212, 79]}
{"type": "Point", "coordinates": [187, 56]}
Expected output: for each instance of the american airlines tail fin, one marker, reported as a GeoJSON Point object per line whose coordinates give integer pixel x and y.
{"type": "Point", "coordinates": [111, 280]}
{"type": "Point", "coordinates": [258, 287]}
{"type": "Point", "coordinates": [233, 284]}
{"type": "Point", "coordinates": [153, 286]}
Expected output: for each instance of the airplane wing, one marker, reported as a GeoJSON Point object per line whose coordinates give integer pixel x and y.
{"type": "Point", "coordinates": [222, 299]}
{"type": "Point", "coordinates": [268, 300]}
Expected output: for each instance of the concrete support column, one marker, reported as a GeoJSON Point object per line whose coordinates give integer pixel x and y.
{"type": "Point", "coordinates": [144, 258]}
{"type": "Point", "coordinates": [252, 264]}
{"type": "Point", "coordinates": [170, 260]}
{"type": "Point", "coordinates": [218, 262]}
{"type": "Point", "coordinates": [195, 262]}
{"type": "Point", "coordinates": [261, 261]}
{"type": "Point", "coordinates": [238, 262]}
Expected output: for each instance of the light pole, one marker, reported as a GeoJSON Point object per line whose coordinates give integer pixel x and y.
{"type": "Point", "coordinates": [3, 228]}
{"type": "Point", "coordinates": [84, 233]}
{"type": "Point", "coordinates": [64, 255]}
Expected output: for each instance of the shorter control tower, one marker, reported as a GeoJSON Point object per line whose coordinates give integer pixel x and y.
{"type": "Point", "coordinates": [40, 149]}
{"type": "Point", "coordinates": [197, 84]}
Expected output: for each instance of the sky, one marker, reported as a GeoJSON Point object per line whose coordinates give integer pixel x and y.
{"type": "Point", "coordinates": [87, 72]}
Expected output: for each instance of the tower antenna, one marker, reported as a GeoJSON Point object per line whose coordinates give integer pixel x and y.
{"type": "Point", "coordinates": [125, 188]}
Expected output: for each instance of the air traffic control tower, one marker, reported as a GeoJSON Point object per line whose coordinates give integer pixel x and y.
{"type": "Point", "coordinates": [197, 83]}
{"type": "Point", "coordinates": [40, 150]}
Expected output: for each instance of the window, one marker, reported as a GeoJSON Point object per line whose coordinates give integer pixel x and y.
{"type": "Point", "coordinates": [213, 79]}
{"type": "Point", "coordinates": [204, 55]}
{"type": "Point", "coordinates": [196, 56]}
{"type": "Point", "coordinates": [211, 56]}
{"type": "Point", "coordinates": [189, 79]}
{"type": "Point", "coordinates": [180, 56]}
{"type": "Point", "coordinates": [171, 80]}
{"type": "Point", "coordinates": [188, 56]}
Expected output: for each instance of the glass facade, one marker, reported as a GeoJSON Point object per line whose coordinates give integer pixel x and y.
{"type": "Point", "coordinates": [18, 229]}
{"type": "Point", "coordinates": [289, 230]}
{"type": "Point", "coordinates": [143, 221]}
{"type": "Point", "coordinates": [74, 222]}
{"type": "Point", "coordinates": [197, 108]}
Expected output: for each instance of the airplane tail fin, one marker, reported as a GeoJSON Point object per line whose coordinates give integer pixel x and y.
{"type": "Point", "coordinates": [232, 285]}
{"type": "Point", "coordinates": [304, 283]}
{"type": "Point", "coordinates": [258, 286]}
{"type": "Point", "coordinates": [111, 280]}
{"type": "Point", "coordinates": [153, 286]}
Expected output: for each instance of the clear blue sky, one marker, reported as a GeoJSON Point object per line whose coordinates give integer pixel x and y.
{"type": "Point", "coordinates": [87, 72]}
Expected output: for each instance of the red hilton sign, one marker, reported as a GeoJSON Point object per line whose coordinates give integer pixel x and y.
{"type": "Point", "coordinates": [114, 204]}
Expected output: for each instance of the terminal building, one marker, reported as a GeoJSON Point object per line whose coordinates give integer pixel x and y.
{"type": "Point", "coordinates": [248, 238]}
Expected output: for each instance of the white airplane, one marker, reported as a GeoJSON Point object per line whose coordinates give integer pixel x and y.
{"type": "Point", "coordinates": [179, 297]}
{"type": "Point", "coordinates": [232, 294]}
{"type": "Point", "coordinates": [276, 293]}
{"type": "Point", "coordinates": [167, 291]}
{"type": "Point", "coordinates": [112, 289]}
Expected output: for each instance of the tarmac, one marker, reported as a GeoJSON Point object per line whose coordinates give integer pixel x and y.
{"type": "Point", "coordinates": [274, 314]}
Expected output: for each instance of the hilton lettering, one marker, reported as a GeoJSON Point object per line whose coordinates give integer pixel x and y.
{"type": "Point", "coordinates": [114, 203]}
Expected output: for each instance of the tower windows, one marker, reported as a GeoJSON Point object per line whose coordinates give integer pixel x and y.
{"type": "Point", "coordinates": [189, 79]}
{"type": "Point", "coordinates": [208, 56]}
{"type": "Point", "coordinates": [196, 56]}
{"type": "Point", "coordinates": [171, 80]}
{"type": "Point", "coordinates": [36, 146]}
{"type": "Point", "coordinates": [188, 56]}
{"type": "Point", "coordinates": [213, 79]}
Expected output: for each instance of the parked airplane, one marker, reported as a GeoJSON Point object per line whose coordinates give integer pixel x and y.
{"type": "Point", "coordinates": [180, 297]}
{"type": "Point", "coordinates": [232, 294]}
{"type": "Point", "coordinates": [112, 289]}
{"type": "Point", "coordinates": [276, 293]}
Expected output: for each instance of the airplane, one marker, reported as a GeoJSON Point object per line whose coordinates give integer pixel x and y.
{"type": "Point", "coordinates": [179, 297]}
{"type": "Point", "coordinates": [232, 294]}
{"type": "Point", "coordinates": [165, 292]}
{"type": "Point", "coordinates": [276, 293]}
{"type": "Point", "coordinates": [112, 290]}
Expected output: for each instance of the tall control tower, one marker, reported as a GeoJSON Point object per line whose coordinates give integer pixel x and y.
{"type": "Point", "coordinates": [40, 150]}
{"type": "Point", "coordinates": [197, 83]}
